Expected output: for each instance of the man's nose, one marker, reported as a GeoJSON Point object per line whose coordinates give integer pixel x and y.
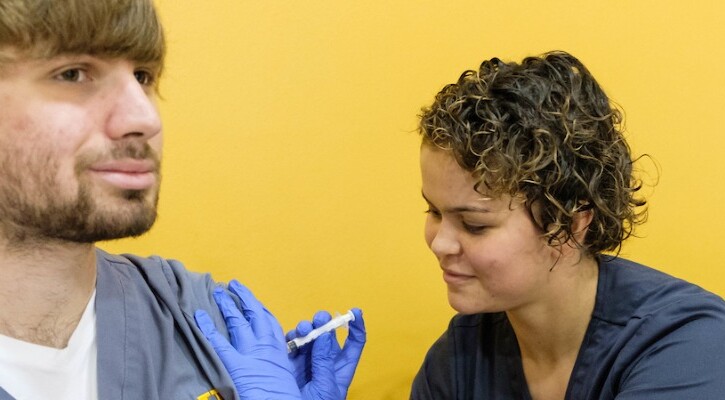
{"type": "Point", "coordinates": [133, 111]}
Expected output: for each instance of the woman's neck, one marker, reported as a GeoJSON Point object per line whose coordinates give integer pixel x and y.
{"type": "Point", "coordinates": [554, 326]}
{"type": "Point", "coordinates": [550, 332]}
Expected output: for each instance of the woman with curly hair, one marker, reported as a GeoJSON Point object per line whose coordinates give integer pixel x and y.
{"type": "Point", "coordinates": [529, 184]}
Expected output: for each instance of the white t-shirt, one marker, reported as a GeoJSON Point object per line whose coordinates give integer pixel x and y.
{"type": "Point", "coordinates": [29, 371]}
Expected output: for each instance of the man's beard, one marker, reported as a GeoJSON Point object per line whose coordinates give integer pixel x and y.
{"type": "Point", "coordinates": [33, 209]}
{"type": "Point", "coordinates": [82, 222]}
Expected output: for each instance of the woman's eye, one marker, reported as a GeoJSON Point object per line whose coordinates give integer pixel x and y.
{"type": "Point", "coordinates": [475, 229]}
{"type": "Point", "coordinates": [433, 212]}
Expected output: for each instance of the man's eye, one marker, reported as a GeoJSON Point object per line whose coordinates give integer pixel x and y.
{"type": "Point", "coordinates": [72, 75]}
{"type": "Point", "coordinates": [144, 77]}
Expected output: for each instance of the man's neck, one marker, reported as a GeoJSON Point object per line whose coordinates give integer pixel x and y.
{"type": "Point", "coordinates": [44, 290]}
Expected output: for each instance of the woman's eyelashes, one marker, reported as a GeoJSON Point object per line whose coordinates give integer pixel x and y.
{"type": "Point", "coordinates": [433, 212]}
{"type": "Point", "coordinates": [473, 228]}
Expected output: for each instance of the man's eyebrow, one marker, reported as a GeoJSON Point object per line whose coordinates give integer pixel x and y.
{"type": "Point", "coordinates": [460, 209]}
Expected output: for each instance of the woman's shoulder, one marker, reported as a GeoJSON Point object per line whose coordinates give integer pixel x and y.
{"type": "Point", "coordinates": [652, 336]}
{"type": "Point", "coordinates": [628, 290]}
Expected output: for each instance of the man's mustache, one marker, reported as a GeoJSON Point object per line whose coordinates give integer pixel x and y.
{"type": "Point", "coordinates": [120, 151]}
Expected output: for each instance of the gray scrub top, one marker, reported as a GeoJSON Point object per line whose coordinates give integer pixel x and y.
{"type": "Point", "coordinates": [148, 344]}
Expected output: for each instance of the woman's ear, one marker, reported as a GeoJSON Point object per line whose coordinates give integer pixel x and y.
{"type": "Point", "coordinates": [580, 224]}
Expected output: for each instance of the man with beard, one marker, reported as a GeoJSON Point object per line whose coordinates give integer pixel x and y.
{"type": "Point", "coordinates": [80, 150]}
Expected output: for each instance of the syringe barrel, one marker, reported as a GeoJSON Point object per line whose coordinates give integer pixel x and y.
{"type": "Point", "coordinates": [334, 323]}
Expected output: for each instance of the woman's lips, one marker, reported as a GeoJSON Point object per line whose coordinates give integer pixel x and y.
{"type": "Point", "coordinates": [454, 278]}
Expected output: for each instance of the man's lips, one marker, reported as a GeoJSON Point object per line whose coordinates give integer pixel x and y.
{"type": "Point", "coordinates": [128, 174]}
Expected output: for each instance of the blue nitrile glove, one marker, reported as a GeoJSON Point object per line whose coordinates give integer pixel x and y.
{"type": "Point", "coordinates": [311, 360]}
{"type": "Point", "coordinates": [257, 357]}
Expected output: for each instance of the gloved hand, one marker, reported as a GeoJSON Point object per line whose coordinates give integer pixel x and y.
{"type": "Point", "coordinates": [313, 366]}
{"type": "Point", "coordinates": [257, 357]}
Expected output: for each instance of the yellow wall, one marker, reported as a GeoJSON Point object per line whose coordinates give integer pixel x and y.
{"type": "Point", "coordinates": [291, 156]}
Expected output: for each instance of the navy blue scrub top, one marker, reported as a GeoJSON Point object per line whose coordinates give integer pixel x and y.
{"type": "Point", "coordinates": [651, 336]}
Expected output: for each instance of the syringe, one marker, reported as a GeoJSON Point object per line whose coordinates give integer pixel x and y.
{"type": "Point", "coordinates": [334, 323]}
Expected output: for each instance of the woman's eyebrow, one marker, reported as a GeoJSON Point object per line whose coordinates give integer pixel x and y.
{"type": "Point", "coordinates": [460, 209]}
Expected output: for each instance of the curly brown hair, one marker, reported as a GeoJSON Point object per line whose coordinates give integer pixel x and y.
{"type": "Point", "coordinates": [546, 130]}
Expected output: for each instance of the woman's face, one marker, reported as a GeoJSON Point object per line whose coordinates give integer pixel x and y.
{"type": "Point", "coordinates": [492, 254]}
